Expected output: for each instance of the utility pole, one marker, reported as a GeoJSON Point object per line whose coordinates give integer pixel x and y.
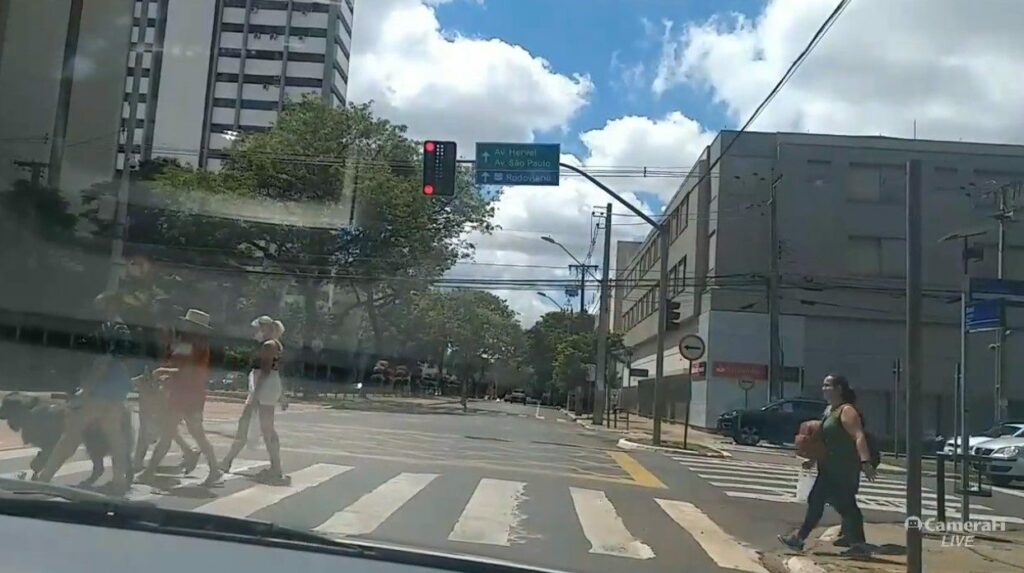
{"type": "Point", "coordinates": [602, 321]}
{"type": "Point", "coordinates": [659, 364]}
{"type": "Point", "coordinates": [1004, 215]}
{"type": "Point", "coordinates": [583, 270]}
{"type": "Point", "coordinates": [124, 186]}
{"type": "Point", "coordinates": [914, 363]}
{"type": "Point", "coordinates": [774, 359]}
{"type": "Point", "coordinates": [897, 371]}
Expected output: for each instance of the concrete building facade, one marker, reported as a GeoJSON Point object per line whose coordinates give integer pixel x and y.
{"type": "Point", "coordinates": [841, 228]}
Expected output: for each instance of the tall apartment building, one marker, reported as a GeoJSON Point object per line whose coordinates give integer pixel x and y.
{"type": "Point", "coordinates": [841, 227]}
{"type": "Point", "coordinates": [210, 69]}
{"type": "Point", "coordinates": [215, 68]}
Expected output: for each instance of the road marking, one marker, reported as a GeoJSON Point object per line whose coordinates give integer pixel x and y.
{"type": "Point", "coordinates": [604, 528]}
{"type": "Point", "coordinates": [831, 533]}
{"type": "Point", "coordinates": [141, 491]}
{"type": "Point", "coordinates": [65, 470]}
{"type": "Point", "coordinates": [895, 507]}
{"type": "Point", "coordinates": [721, 547]}
{"type": "Point", "coordinates": [1015, 492]}
{"type": "Point", "coordinates": [18, 453]}
{"type": "Point", "coordinates": [371, 510]}
{"type": "Point", "coordinates": [257, 497]}
{"type": "Point", "coordinates": [492, 514]}
{"type": "Point", "coordinates": [560, 420]}
{"type": "Point", "coordinates": [639, 473]}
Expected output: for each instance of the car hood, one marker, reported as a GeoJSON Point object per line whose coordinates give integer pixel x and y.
{"type": "Point", "coordinates": [976, 440]}
{"type": "Point", "coordinates": [1001, 442]}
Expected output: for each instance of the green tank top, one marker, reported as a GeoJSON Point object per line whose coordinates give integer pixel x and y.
{"type": "Point", "coordinates": [841, 456]}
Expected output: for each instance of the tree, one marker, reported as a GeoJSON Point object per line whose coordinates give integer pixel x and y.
{"type": "Point", "coordinates": [39, 249]}
{"type": "Point", "coordinates": [478, 327]}
{"type": "Point", "coordinates": [323, 156]}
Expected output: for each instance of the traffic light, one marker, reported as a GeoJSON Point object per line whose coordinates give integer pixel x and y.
{"type": "Point", "coordinates": [439, 168]}
{"type": "Point", "coordinates": [672, 318]}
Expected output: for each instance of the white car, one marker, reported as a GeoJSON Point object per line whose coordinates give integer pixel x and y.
{"type": "Point", "coordinates": [1006, 457]}
{"type": "Point", "coordinates": [1007, 430]}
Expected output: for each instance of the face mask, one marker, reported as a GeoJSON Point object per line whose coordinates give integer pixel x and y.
{"type": "Point", "coordinates": [182, 348]}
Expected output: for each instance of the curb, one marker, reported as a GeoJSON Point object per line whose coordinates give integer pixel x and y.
{"type": "Point", "coordinates": [630, 445]}
{"type": "Point", "coordinates": [798, 564]}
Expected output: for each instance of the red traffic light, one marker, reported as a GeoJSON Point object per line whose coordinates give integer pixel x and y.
{"type": "Point", "coordinates": [429, 146]}
{"type": "Point", "coordinates": [428, 189]}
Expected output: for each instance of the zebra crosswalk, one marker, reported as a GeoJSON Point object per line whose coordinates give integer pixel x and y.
{"type": "Point", "coordinates": [776, 482]}
{"type": "Point", "coordinates": [358, 500]}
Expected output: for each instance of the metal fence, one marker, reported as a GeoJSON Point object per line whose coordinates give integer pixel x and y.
{"type": "Point", "coordinates": [675, 395]}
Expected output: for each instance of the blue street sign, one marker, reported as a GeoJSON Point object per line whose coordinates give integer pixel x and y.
{"type": "Point", "coordinates": [997, 288]}
{"type": "Point", "coordinates": [984, 315]}
{"type": "Point", "coordinates": [517, 163]}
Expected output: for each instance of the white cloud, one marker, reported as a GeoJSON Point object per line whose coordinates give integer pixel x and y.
{"type": "Point", "coordinates": [950, 65]}
{"type": "Point", "coordinates": [446, 85]}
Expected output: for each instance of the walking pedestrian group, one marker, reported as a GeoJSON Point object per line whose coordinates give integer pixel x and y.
{"type": "Point", "coordinates": [171, 394]}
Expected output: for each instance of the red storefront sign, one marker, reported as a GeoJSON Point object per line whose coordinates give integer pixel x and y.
{"type": "Point", "coordinates": [741, 370]}
{"type": "Point", "coordinates": [698, 370]}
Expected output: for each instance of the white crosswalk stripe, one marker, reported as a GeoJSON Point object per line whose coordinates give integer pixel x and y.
{"type": "Point", "coordinates": [371, 510]}
{"type": "Point", "coordinates": [721, 547]}
{"type": "Point", "coordinates": [777, 483]}
{"type": "Point", "coordinates": [257, 497]}
{"type": "Point", "coordinates": [18, 453]}
{"type": "Point", "coordinates": [144, 492]}
{"type": "Point", "coordinates": [604, 528]}
{"type": "Point", "coordinates": [492, 514]}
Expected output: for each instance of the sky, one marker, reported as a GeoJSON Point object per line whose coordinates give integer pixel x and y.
{"type": "Point", "coordinates": [648, 83]}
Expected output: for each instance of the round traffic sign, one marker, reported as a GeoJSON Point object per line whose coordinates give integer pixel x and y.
{"type": "Point", "coordinates": [692, 347]}
{"type": "Point", "coordinates": [746, 384]}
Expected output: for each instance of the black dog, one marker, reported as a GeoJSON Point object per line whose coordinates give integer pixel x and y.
{"type": "Point", "coordinates": [41, 423]}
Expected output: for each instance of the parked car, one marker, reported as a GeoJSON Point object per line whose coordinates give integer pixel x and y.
{"type": "Point", "coordinates": [1006, 458]}
{"type": "Point", "coordinates": [776, 422]}
{"type": "Point", "coordinates": [1005, 430]}
{"type": "Point", "coordinates": [517, 396]}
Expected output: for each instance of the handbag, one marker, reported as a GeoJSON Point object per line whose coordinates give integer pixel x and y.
{"type": "Point", "coordinates": [809, 443]}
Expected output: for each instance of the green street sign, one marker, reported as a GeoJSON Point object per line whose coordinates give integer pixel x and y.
{"type": "Point", "coordinates": [517, 163]}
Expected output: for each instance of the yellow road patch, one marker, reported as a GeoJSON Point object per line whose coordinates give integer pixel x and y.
{"type": "Point", "coordinates": [640, 474]}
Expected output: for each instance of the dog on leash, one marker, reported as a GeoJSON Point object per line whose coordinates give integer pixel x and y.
{"type": "Point", "coordinates": [41, 423]}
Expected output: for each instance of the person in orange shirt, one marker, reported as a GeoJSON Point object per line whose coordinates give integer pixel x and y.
{"type": "Point", "coordinates": [153, 408]}
{"type": "Point", "coordinates": [187, 375]}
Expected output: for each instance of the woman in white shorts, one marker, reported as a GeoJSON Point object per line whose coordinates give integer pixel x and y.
{"type": "Point", "coordinates": [265, 393]}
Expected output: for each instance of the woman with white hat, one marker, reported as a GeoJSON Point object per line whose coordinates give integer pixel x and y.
{"type": "Point", "coordinates": [187, 375]}
{"type": "Point", "coordinates": [265, 392]}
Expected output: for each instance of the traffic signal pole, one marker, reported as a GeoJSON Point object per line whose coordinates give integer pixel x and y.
{"type": "Point", "coordinates": [663, 238]}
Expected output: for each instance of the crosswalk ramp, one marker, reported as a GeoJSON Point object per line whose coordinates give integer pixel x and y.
{"type": "Point", "coordinates": [496, 512]}
{"type": "Point", "coordinates": [776, 482]}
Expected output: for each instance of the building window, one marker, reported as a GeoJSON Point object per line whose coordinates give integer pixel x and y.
{"type": "Point", "coordinates": [875, 183]}
{"type": "Point", "coordinates": [876, 256]}
{"type": "Point", "coordinates": [864, 256]}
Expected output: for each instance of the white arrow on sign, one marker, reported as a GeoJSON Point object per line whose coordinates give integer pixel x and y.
{"type": "Point", "coordinates": [487, 156]}
{"type": "Point", "coordinates": [692, 347]}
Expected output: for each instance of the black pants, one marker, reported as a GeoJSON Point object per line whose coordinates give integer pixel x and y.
{"type": "Point", "coordinates": [840, 494]}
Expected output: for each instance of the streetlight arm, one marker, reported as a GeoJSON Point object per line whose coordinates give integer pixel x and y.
{"type": "Point", "coordinates": [549, 239]}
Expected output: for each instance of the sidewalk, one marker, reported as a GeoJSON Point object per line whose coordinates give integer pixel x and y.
{"type": "Point", "coordinates": [698, 441]}
{"type": "Point", "coordinates": [998, 551]}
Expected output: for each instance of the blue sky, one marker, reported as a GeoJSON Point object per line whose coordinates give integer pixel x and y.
{"type": "Point", "coordinates": [586, 36]}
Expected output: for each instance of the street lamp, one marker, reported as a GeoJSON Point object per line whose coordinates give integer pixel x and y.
{"type": "Point", "coordinates": [553, 301]}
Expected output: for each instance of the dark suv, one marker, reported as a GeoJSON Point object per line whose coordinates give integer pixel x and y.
{"type": "Point", "coordinates": [778, 422]}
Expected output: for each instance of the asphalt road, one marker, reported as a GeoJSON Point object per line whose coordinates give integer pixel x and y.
{"type": "Point", "coordinates": [506, 481]}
